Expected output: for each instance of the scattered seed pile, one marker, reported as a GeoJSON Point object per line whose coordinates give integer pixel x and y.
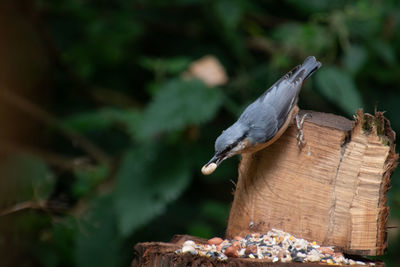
{"type": "Point", "coordinates": [274, 246]}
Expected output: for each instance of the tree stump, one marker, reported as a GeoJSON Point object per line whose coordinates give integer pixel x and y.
{"type": "Point", "coordinates": [332, 191]}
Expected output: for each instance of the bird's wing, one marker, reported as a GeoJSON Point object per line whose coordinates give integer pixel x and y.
{"type": "Point", "coordinates": [270, 111]}
{"type": "Point", "coordinates": [283, 95]}
{"type": "Point", "coordinates": [261, 121]}
{"type": "Point", "coordinates": [282, 98]}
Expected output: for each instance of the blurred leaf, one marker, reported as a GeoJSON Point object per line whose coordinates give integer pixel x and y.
{"type": "Point", "coordinates": [364, 19]}
{"type": "Point", "coordinates": [308, 38]}
{"type": "Point", "coordinates": [178, 104]}
{"type": "Point", "coordinates": [54, 247]}
{"type": "Point", "coordinates": [174, 65]}
{"type": "Point", "coordinates": [288, 33]}
{"type": "Point", "coordinates": [231, 7]}
{"type": "Point", "coordinates": [147, 180]}
{"type": "Point", "coordinates": [338, 87]}
{"type": "Point", "coordinates": [200, 229]}
{"type": "Point", "coordinates": [312, 6]}
{"type": "Point", "coordinates": [88, 178]}
{"type": "Point", "coordinates": [24, 177]}
{"type": "Point", "coordinates": [162, 3]}
{"type": "Point", "coordinates": [100, 35]}
{"type": "Point", "coordinates": [354, 58]}
{"type": "Point", "coordinates": [21, 232]}
{"type": "Point", "coordinates": [281, 60]}
{"type": "Point", "coordinates": [385, 52]}
{"type": "Point", "coordinates": [216, 211]}
{"type": "Point", "coordinates": [98, 243]}
{"type": "Point", "coordinates": [102, 119]}
{"type": "Point", "coordinates": [227, 14]}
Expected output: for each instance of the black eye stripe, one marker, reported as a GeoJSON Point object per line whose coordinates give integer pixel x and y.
{"type": "Point", "coordinates": [235, 143]}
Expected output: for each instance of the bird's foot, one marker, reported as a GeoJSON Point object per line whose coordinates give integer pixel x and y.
{"type": "Point", "coordinates": [300, 136]}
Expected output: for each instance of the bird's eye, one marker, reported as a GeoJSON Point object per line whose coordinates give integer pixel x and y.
{"type": "Point", "coordinates": [230, 146]}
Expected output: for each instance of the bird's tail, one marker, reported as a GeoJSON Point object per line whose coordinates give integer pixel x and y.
{"type": "Point", "coordinates": [308, 67]}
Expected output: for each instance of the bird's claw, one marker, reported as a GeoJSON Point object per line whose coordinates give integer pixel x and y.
{"type": "Point", "coordinates": [300, 136]}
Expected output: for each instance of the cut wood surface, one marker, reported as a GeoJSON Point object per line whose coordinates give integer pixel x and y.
{"type": "Point", "coordinates": [156, 254]}
{"type": "Point", "coordinates": [332, 191]}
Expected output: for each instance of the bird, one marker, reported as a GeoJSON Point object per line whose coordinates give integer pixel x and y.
{"type": "Point", "coordinates": [266, 119]}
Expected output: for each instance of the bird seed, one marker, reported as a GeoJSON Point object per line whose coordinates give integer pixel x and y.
{"type": "Point", "coordinates": [274, 246]}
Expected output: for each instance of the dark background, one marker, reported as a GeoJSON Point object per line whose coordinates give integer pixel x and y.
{"type": "Point", "coordinates": [102, 139]}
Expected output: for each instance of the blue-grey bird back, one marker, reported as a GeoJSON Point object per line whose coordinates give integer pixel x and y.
{"type": "Point", "coordinates": [268, 113]}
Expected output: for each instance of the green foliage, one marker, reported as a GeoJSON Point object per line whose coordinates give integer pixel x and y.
{"type": "Point", "coordinates": [306, 38]}
{"type": "Point", "coordinates": [200, 229]}
{"type": "Point", "coordinates": [58, 252]}
{"type": "Point", "coordinates": [145, 188]}
{"type": "Point", "coordinates": [313, 6]}
{"type": "Point", "coordinates": [88, 178]}
{"type": "Point", "coordinates": [93, 35]}
{"type": "Point", "coordinates": [162, 66]}
{"type": "Point", "coordinates": [158, 128]}
{"type": "Point", "coordinates": [177, 104]}
{"type": "Point", "coordinates": [338, 87]}
{"type": "Point", "coordinates": [385, 52]}
{"type": "Point", "coordinates": [354, 58]}
{"type": "Point", "coordinates": [97, 241]}
{"type": "Point", "coordinates": [215, 211]}
{"type": "Point", "coordinates": [24, 178]}
{"type": "Point", "coordinates": [104, 119]}
{"type": "Point", "coordinates": [233, 8]}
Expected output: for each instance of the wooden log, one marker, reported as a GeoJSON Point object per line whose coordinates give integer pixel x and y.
{"type": "Point", "coordinates": [333, 191]}
{"type": "Point", "coordinates": [155, 254]}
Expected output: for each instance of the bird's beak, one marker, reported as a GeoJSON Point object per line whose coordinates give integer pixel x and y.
{"type": "Point", "coordinates": [212, 164]}
{"type": "Point", "coordinates": [217, 159]}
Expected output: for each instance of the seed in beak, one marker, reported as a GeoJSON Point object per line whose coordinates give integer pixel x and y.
{"type": "Point", "coordinates": [208, 169]}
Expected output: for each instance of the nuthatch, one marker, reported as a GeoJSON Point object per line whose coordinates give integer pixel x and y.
{"type": "Point", "coordinates": [266, 119]}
